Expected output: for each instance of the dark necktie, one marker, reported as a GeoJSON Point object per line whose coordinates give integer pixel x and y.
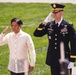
{"type": "Point", "coordinates": [56, 24]}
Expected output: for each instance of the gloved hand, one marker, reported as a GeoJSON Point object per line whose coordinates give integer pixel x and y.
{"type": "Point", "coordinates": [70, 65]}
{"type": "Point", "coordinates": [48, 18]}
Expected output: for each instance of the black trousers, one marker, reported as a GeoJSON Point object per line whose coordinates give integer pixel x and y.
{"type": "Point", "coordinates": [55, 70]}
{"type": "Point", "coordinates": [12, 73]}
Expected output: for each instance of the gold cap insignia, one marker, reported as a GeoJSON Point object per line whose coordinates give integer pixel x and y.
{"type": "Point", "coordinates": [54, 5]}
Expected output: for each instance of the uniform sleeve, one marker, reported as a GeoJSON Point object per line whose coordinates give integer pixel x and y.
{"type": "Point", "coordinates": [72, 36]}
{"type": "Point", "coordinates": [40, 31]}
{"type": "Point", "coordinates": [3, 39]}
{"type": "Point", "coordinates": [32, 52]}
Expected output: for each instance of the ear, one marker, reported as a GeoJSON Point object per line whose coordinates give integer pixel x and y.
{"type": "Point", "coordinates": [62, 13]}
{"type": "Point", "coordinates": [20, 26]}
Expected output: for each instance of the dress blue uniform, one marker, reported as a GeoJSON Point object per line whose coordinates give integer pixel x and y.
{"type": "Point", "coordinates": [66, 33]}
{"type": "Point", "coordinates": [63, 33]}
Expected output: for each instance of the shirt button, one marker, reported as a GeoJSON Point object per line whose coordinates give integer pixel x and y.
{"type": "Point", "coordinates": [55, 47]}
{"type": "Point", "coordinates": [55, 34]}
{"type": "Point", "coordinates": [55, 38]}
{"type": "Point", "coordinates": [66, 52]}
{"type": "Point", "coordinates": [55, 43]}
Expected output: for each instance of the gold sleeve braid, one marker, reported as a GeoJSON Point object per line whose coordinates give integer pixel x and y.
{"type": "Point", "coordinates": [40, 29]}
{"type": "Point", "coordinates": [72, 56]}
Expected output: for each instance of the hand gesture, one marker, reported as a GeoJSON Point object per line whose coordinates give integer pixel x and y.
{"type": "Point", "coordinates": [70, 65]}
{"type": "Point", "coordinates": [31, 68]}
{"type": "Point", "coordinates": [5, 30]}
{"type": "Point", "coordinates": [48, 18]}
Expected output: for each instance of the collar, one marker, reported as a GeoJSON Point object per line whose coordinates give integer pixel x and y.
{"type": "Point", "coordinates": [17, 33]}
{"type": "Point", "coordinates": [59, 22]}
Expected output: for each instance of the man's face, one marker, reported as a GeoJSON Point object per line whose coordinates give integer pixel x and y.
{"type": "Point", "coordinates": [15, 27]}
{"type": "Point", "coordinates": [57, 16]}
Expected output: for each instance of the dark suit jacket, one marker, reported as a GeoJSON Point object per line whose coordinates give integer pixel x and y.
{"type": "Point", "coordinates": [64, 33]}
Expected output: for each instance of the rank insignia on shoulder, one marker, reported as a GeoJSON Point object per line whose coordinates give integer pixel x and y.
{"type": "Point", "coordinates": [70, 23]}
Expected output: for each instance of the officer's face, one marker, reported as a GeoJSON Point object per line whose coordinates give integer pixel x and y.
{"type": "Point", "coordinates": [57, 16]}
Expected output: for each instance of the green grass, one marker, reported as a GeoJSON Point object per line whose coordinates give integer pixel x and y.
{"type": "Point", "coordinates": [32, 15]}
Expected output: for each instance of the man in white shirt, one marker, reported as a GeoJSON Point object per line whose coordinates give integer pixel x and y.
{"type": "Point", "coordinates": [21, 49]}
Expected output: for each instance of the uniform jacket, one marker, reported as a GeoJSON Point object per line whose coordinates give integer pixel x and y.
{"type": "Point", "coordinates": [65, 33]}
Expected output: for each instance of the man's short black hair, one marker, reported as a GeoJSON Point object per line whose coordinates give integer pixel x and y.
{"type": "Point", "coordinates": [19, 22]}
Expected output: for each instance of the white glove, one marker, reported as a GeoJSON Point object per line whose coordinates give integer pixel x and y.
{"type": "Point", "coordinates": [48, 18]}
{"type": "Point", "coordinates": [70, 65]}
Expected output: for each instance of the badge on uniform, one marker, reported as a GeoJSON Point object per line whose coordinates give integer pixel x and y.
{"type": "Point", "coordinates": [50, 29]}
{"type": "Point", "coordinates": [64, 30]}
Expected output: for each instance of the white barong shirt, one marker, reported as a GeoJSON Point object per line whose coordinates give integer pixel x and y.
{"type": "Point", "coordinates": [21, 49]}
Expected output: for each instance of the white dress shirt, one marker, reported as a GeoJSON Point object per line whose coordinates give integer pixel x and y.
{"type": "Point", "coordinates": [59, 22]}
{"type": "Point", "coordinates": [21, 49]}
